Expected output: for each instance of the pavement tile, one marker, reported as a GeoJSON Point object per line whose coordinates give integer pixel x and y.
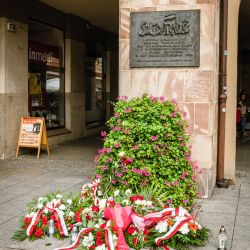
{"type": "Point", "coordinates": [240, 245]}
{"type": "Point", "coordinates": [242, 233]}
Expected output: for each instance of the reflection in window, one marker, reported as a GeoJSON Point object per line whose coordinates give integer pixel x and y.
{"type": "Point", "coordinates": [46, 74]}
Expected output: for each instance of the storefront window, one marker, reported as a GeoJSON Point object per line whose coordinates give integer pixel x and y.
{"type": "Point", "coordinates": [46, 74]}
{"type": "Point", "coordinates": [95, 82]}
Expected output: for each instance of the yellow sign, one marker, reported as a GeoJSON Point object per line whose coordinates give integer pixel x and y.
{"type": "Point", "coordinates": [32, 134]}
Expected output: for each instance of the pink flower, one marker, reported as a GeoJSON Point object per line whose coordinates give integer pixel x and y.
{"type": "Point", "coordinates": [119, 175]}
{"type": "Point", "coordinates": [116, 145]}
{"type": "Point", "coordinates": [183, 145]}
{"type": "Point", "coordinates": [135, 147]}
{"type": "Point", "coordinates": [104, 168]}
{"type": "Point", "coordinates": [184, 114]}
{"type": "Point", "coordinates": [153, 98]}
{"type": "Point", "coordinates": [98, 176]}
{"type": "Point", "coordinates": [123, 98]}
{"type": "Point", "coordinates": [185, 201]}
{"type": "Point", "coordinates": [126, 131]}
{"type": "Point", "coordinates": [162, 99]}
{"type": "Point", "coordinates": [118, 121]}
{"type": "Point", "coordinates": [113, 181]}
{"type": "Point", "coordinates": [173, 114]}
{"type": "Point", "coordinates": [156, 147]}
{"type": "Point", "coordinates": [154, 137]}
{"type": "Point", "coordinates": [174, 101]}
{"type": "Point", "coordinates": [117, 128]}
{"type": "Point", "coordinates": [108, 150]}
{"type": "Point", "coordinates": [127, 110]}
{"type": "Point", "coordinates": [169, 201]}
{"type": "Point", "coordinates": [103, 134]}
{"type": "Point", "coordinates": [184, 174]}
{"type": "Point", "coordinates": [116, 114]}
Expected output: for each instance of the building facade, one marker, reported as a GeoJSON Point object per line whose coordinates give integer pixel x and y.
{"type": "Point", "coordinates": [77, 61]}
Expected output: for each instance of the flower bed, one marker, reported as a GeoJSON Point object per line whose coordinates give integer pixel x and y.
{"type": "Point", "coordinates": [142, 192]}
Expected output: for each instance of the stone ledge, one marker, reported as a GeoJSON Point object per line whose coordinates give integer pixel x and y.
{"type": "Point", "coordinates": [56, 132]}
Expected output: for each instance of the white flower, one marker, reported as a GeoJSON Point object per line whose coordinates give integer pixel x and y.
{"type": "Point", "coordinates": [62, 207]}
{"type": "Point", "coordinates": [143, 202]}
{"type": "Point", "coordinates": [122, 154]}
{"type": "Point", "coordinates": [40, 199]}
{"type": "Point", "coordinates": [149, 203]}
{"type": "Point", "coordinates": [32, 214]}
{"type": "Point", "coordinates": [117, 192]}
{"type": "Point", "coordinates": [128, 192]}
{"type": "Point", "coordinates": [88, 240]}
{"type": "Point", "coordinates": [46, 210]}
{"type": "Point", "coordinates": [162, 227]}
{"type": "Point", "coordinates": [59, 196]}
{"type": "Point", "coordinates": [39, 206]}
{"type": "Point", "coordinates": [125, 202]}
{"type": "Point", "coordinates": [138, 202]}
{"type": "Point", "coordinates": [102, 203]}
{"type": "Point", "coordinates": [102, 247]}
{"type": "Point", "coordinates": [99, 193]}
{"type": "Point", "coordinates": [71, 214]}
{"type": "Point", "coordinates": [184, 229]}
{"type": "Point", "coordinates": [69, 201]}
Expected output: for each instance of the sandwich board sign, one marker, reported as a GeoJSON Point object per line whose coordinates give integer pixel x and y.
{"type": "Point", "coordinates": [32, 134]}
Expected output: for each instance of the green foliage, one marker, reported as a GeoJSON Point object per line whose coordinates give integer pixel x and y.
{"type": "Point", "coordinates": [146, 144]}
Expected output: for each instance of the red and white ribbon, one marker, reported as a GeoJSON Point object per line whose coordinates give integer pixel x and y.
{"type": "Point", "coordinates": [94, 185]}
{"type": "Point", "coordinates": [53, 207]}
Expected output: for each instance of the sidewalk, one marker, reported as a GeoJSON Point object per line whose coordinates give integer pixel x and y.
{"type": "Point", "coordinates": [68, 168]}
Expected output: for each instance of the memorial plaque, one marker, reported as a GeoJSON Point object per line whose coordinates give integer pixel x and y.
{"type": "Point", "coordinates": [165, 39]}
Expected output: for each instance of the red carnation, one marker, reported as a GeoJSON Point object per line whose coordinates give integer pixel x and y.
{"type": "Point", "coordinates": [136, 197]}
{"type": "Point", "coordinates": [98, 234]}
{"type": "Point", "coordinates": [53, 217]}
{"type": "Point", "coordinates": [146, 231]}
{"type": "Point", "coordinates": [27, 220]}
{"type": "Point", "coordinates": [92, 247]}
{"type": "Point", "coordinates": [103, 226]}
{"type": "Point", "coordinates": [95, 209]}
{"type": "Point", "coordinates": [99, 242]}
{"type": "Point", "coordinates": [131, 230]}
{"type": "Point", "coordinates": [135, 241]}
{"type": "Point", "coordinates": [78, 217]}
{"type": "Point", "coordinates": [88, 217]}
{"type": "Point", "coordinates": [111, 203]}
{"type": "Point", "coordinates": [39, 232]}
{"type": "Point", "coordinates": [44, 220]}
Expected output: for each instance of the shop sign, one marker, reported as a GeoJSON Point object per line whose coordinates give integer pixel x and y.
{"type": "Point", "coordinates": [165, 38]}
{"type": "Point", "coordinates": [44, 54]}
{"type": "Point", "coordinates": [32, 134]}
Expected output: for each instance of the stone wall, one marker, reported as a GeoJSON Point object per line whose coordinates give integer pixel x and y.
{"type": "Point", "coordinates": [195, 89]}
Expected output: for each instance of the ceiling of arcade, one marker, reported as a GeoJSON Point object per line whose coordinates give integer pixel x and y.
{"type": "Point", "coordinates": [104, 14]}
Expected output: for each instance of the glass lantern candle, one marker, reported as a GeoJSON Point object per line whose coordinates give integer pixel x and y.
{"type": "Point", "coordinates": [222, 238]}
{"type": "Point", "coordinates": [51, 228]}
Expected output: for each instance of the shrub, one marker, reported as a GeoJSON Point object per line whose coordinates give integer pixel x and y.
{"type": "Point", "coordinates": [147, 144]}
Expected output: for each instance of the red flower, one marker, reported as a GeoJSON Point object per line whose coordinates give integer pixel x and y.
{"type": "Point", "coordinates": [135, 241]}
{"type": "Point", "coordinates": [99, 242]}
{"type": "Point", "coordinates": [103, 226]}
{"type": "Point", "coordinates": [44, 220]}
{"type": "Point", "coordinates": [26, 227]}
{"type": "Point", "coordinates": [136, 197]}
{"type": "Point", "coordinates": [53, 217]}
{"type": "Point", "coordinates": [146, 231]}
{"type": "Point", "coordinates": [92, 247]}
{"type": "Point", "coordinates": [71, 226]}
{"type": "Point", "coordinates": [56, 225]}
{"type": "Point", "coordinates": [39, 232]}
{"type": "Point", "coordinates": [131, 230]}
{"type": "Point", "coordinates": [78, 217]}
{"type": "Point", "coordinates": [127, 161]}
{"type": "Point", "coordinates": [88, 217]}
{"type": "Point", "coordinates": [111, 203]}
{"type": "Point", "coordinates": [98, 235]}
{"type": "Point", "coordinates": [95, 209]}
{"type": "Point", "coordinates": [27, 220]}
